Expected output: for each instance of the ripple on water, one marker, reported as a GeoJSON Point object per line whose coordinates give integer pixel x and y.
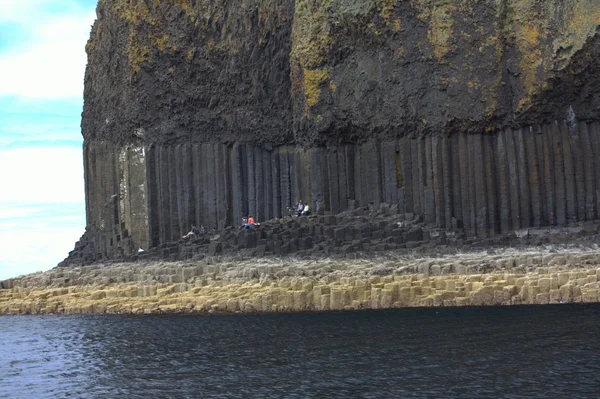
{"type": "Point", "coordinates": [513, 352]}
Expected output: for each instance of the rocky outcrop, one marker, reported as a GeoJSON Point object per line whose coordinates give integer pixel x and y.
{"type": "Point", "coordinates": [504, 277]}
{"type": "Point", "coordinates": [357, 233]}
{"type": "Point", "coordinates": [475, 114]}
{"type": "Point", "coordinates": [328, 72]}
{"type": "Point", "coordinates": [385, 68]}
{"type": "Point", "coordinates": [171, 71]}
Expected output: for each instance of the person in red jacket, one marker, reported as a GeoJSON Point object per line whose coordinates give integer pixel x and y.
{"type": "Point", "coordinates": [250, 223]}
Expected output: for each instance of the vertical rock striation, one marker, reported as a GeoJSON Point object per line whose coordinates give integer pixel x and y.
{"type": "Point", "coordinates": [500, 175]}
{"type": "Point", "coordinates": [480, 114]}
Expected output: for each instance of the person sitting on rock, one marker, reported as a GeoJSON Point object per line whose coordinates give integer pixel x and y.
{"type": "Point", "coordinates": [193, 231]}
{"type": "Point", "coordinates": [203, 229]}
{"type": "Point", "coordinates": [306, 210]}
{"type": "Point", "coordinates": [299, 208]}
{"type": "Point", "coordinates": [250, 223]}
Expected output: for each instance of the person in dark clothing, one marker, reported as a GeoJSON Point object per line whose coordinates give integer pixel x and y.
{"type": "Point", "coordinates": [193, 231]}
{"type": "Point", "coordinates": [299, 208]}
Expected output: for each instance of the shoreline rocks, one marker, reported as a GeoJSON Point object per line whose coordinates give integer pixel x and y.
{"type": "Point", "coordinates": [356, 233]}
{"type": "Point", "coordinates": [502, 276]}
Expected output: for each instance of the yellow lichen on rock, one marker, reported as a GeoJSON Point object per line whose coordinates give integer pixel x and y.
{"type": "Point", "coordinates": [132, 12]}
{"type": "Point", "coordinates": [440, 32]}
{"type": "Point", "coordinates": [312, 45]}
{"type": "Point", "coordinates": [529, 27]}
{"type": "Point", "coordinates": [582, 24]}
{"type": "Point", "coordinates": [437, 14]}
{"type": "Point", "coordinates": [313, 37]}
{"type": "Point", "coordinates": [311, 32]}
{"type": "Point", "coordinates": [314, 80]}
{"type": "Point", "coordinates": [137, 53]}
{"type": "Point", "coordinates": [162, 42]}
{"type": "Point", "coordinates": [136, 13]}
{"type": "Point", "coordinates": [545, 41]}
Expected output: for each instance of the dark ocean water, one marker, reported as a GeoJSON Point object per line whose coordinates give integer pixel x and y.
{"type": "Point", "coordinates": [513, 352]}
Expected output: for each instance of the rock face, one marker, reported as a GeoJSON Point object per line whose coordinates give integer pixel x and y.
{"type": "Point", "coordinates": [533, 276]}
{"type": "Point", "coordinates": [326, 72]}
{"type": "Point", "coordinates": [174, 71]}
{"type": "Point", "coordinates": [481, 112]}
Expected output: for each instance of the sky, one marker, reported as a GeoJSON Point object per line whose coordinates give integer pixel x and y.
{"type": "Point", "coordinates": [42, 64]}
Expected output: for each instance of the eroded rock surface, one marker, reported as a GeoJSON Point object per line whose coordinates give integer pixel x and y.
{"type": "Point", "coordinates": [534, 275]}
{"type": "Point", "coordinates": [327, 72]}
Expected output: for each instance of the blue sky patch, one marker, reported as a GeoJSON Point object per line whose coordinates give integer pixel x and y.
{"type": "Point", "coordinates": [36, 122]}
{"type": "Point", "coordinates": [12, 35]}
{"type": "Point", "coordinates": [42, 64]}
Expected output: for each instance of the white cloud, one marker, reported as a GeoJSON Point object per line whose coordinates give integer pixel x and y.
{"type": "Point", "coordinates": [10, 213]}
{"type": "Point", "coordinates": [42, 209]}
{"type": "Point", "coordinates": [27, 121]}
{"type": "Point", "coordinates": [41, 175]}
{"type": "Point", "coordinates": [42, 60]}
{"type": "Point", "coordinates": [23, 251]}
{"type": "Point", "coordinates": [19, 10]}
{"type": "Point", "coordinates": [51, 64]}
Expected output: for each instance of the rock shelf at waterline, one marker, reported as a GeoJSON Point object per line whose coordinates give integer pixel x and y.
{"type": "Point", "coordinates": [503, 276]}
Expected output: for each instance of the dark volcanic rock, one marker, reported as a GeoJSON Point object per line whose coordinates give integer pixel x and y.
{"type": "Point", "coordinates": [171, 71]}
{"type": "Point", "coordinates": [478, 117]}
{"type": "Point", "coordinates": [250, 70]}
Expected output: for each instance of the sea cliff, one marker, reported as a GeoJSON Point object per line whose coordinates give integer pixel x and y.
{"type": "Point", "coordinates": [419, 132]}
{"type": "Point", "coordinates": [480, 114]}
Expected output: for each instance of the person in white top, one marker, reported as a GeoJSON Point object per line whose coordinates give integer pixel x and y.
{"type": "Point", "coordinates": [306, 210]}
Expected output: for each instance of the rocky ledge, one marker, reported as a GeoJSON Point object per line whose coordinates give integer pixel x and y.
{"type": "Point", "coordinates": [501, 276]}
{"type": "Point", "coordinates": [357, 233]}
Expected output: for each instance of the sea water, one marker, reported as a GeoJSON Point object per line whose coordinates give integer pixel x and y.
{"type": "Point", "coordinates": [503, 352]}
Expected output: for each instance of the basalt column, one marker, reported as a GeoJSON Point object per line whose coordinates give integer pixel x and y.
{"type": "Point", "coordinates": [118, 217]}
{"type": "Point", "coordinates": [489, 183]}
